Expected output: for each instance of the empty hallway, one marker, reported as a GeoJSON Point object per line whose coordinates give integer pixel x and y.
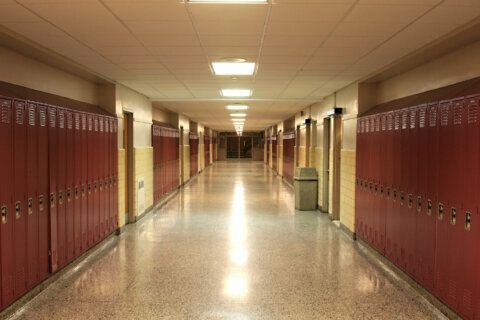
{"type": "Point", "coordinates": [229, 246]}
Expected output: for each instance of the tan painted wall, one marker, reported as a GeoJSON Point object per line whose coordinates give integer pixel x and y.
{"type": "Point", "coordinates": [184, 122]}
{"type": "Point", "coordinates": [121, 187]}
{"type": "Point", "coordinates": [347, 189]}
{"type": "Point", "coordinates": [143, 170]}
{"type": "Point", "coordinates": [165, 116]}
{"type": "Point", "coordinates": [20, 70]}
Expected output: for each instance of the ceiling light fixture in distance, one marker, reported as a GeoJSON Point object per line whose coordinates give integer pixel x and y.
{"type": "Point", "coordinates": [237, 107]}
{"type": "Point", "coordinates": [238, 115]}
{"type": "Point", "coordinates": [233, 68]}
{"type": "Point", "coordinates": [237, 93]}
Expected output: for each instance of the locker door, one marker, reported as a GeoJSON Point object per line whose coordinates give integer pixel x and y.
{"type": "Point", "coordinates": [69, 188]}
{"type": "Point", "coordinates": [84, 181]}
{"type": "Point", "coordinates": [394, 192]}
{"type": "Point", "coordinates": [42, 188]}
{"type": "Point", "coordinates": [113, 156]}
{"type": "Point", "coordinates": [90, 180]}
{"type": "Point", "coordinates": [52, 182]}
{"type": "Point", "coordinates": [115, 166]}
{"type": "Point", "coordinates": [411, 190]}
{"type": "Point", "coordinates": [6, 205]}
{"type": "Point", "coordinates": [101, 198]}
{"type": "Point", "coordinates": [61, 186]}
{"type": "Point", "coordinates": [31, 189]}
{"type": "Point", "coordinates": [19, 189]}
{"type": "Point", "coordinates": [77, 189]}
{"type": "Point", "coordinates": [155, 149]}
{"type": "Point", "coordinates": [96, 174]}
{"type": "Point", "coordinates": [381, 177]}
{"type": "Point", "coordinates": [106, 206]}
{"type": "Point", "coordinates": [389, 149]}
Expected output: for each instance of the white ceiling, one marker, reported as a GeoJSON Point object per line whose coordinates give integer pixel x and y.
{"type": "Point", "coordinates": [305, 49]}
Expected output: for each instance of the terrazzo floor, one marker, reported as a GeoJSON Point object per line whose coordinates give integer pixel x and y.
{"type": "Point", "coordinates": [229, 246]}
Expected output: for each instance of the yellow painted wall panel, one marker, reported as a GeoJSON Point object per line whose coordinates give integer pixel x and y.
{"type": "Point", "coordinates": [143, 170]}
{"type": "Point", "coordinates": [319, 166]}
{"type": "Point", "coordinates": [121, 187]}
{"type": "Point", "coordinates": [302, 152]}
{"type": "Point", "coordinates": [347, 189]}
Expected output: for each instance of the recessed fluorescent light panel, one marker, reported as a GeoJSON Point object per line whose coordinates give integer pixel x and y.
{"type": "Point", "coordinates": [228, 1]}
{"type": "Point", "coordinates": [238, 115]}
{"type": "Point", "coordinates": [233, 68]}
{"type": "Point", "coordinates": [237, 93]}
{"type": "Point", "coordinates": [237, 107]}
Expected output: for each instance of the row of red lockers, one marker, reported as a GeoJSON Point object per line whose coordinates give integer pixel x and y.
{"type": "Point", "coordinates": [166, 165]}
{"type": "Point", "coordinates": [273, 142]}
{"type": "Point", "coordinates": [288, 155]}
{"type": "Point", "coordinates": [417, 195]}
{"type": "Point", "coordinates": [193, 141]}
{"type": "Point", "coordinates": [58, 194]}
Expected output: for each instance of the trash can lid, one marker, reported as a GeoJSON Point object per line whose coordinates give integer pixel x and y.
{"type": "Point", "coordinates": [306, 173]}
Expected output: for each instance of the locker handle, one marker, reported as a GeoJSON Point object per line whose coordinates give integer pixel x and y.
{"type": "Point", "coordinates": [30, 206]}
{"type": "Point", "coordinates": [419, 204]}
{"type": "Point", "coordinates": [453, 216]}
{"type": "Point", "coordinates": [76, 192]}
{"type": "Point", "coordinates": [402, 198]}
{"type": "Point", "coordinates": [429, 207]}
{"type": "Point", "coordinates": [69, 194]}
{"type": "Point", "coordinates": [381, 190]}
{"type": "Point", "coordinates": [52, 200]}
{"type": "Point", "coordinates": [441, 208]}
{"type": "Point", "coordinates": [388, 193]}
{"type": "Point", "coordinates": [60, 197]}
{"type": "Point", "coordinates": [95, 187]}
{"type": "Point", "coordinates": [4, 211]}
{"type": "Point", "coordinates": [468, 220]}
{"type": "Point", "coordinates": [83, 190]}
{"type": "Point", "coordinates": [18, 210]}
{"type": "Point", "coordinates": [410, 201]}
{"type": "Point", "coordinates": [394, 195]}
{"type": "Point", "coordinates": [376, 189]}
{"type": "Point", "coordinates": [41, 200]}
{"type": "Point", "coordinates": [89, 188]}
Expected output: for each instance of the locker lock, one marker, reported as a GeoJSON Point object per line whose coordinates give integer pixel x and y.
{"type": "Point", "coordinates": [468, 220]}
{"type": "Point", "coordinates": [95, 187]}
{"type": "Point", "coordinates": [394, 195]}
{"type": "Point", "coordinates": [18, 210]}
{"type": "Point", "coordinates": [76, 192]}
{"type": "Point", "coordinates": [453, 216]}
{"type": "Point", "coordinates": [429, 207]}
{"type": "Point", "coordinates": [69, 194]}
{"type": "Point", "coordinates": [381, 190]}
{"type": "Point", "coordinates": [89, 188]}
{"type": "Point", "coordinates": [419, 204]}
{"type": "Point", "coordinates": [30, 206]}
{"type": "Point", "coordinates": [83, 190]}
{"type": "Point", "coordinates": [376, 188]}
{"type": "Point", "coordinates": [388, 193]}
{"type": "Point", "coordinates": [52, 200]}
{"type": "Point", "coordinates": [60, 197]}
{"type": "Point", "coordinates": [4, 212]}
{"type": "Point", "coordinates": [441, 209]}
{"type": "Point", "coordinates": [410, 201]}
{"type": "Point", "coordinates": [402, 198]}
{"type": "Point", "coordinates": [100, 185]}
{"type": "Point", "coordinates": [41, 201]}
{"type": "Point", "coordinates": [371, 187]}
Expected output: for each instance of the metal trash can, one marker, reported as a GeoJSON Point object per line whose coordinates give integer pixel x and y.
{"type": "Point", "coordinates": [306, 189]}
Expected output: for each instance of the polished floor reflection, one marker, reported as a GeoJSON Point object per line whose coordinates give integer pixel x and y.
{"type": "Point", "coordinates": [230, 246]}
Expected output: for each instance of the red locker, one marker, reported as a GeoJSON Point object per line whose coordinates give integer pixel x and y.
{"type": "Point", "coordinates": [61, 187]}
{"type": "Point", "coordinates": [77, 189]}
{"type": "Point", "coordinates": [96, 174]}
{"type": "Point", "coordinates": [90, 180]}
{"type": "Point", "coordinates": [19, 187]}
{"type": "Point", "coordinates": [106, 187]}
{"type": "Point", "coordinates": [42, 189]}
{"type": "Point", "coordinates": [381, 192]}
{"type": "Point", "coordinates": [6, 205]}
{"type": "Point", "coordinates": [84, 181]}
{"type": "Point", "coordinates": [52, 181]}
{"type": "Point", "coordinates": [394, 224]}
{"type": "Point", "coordinates": [31, 189]}
{"type": "Point", "coordinates": [115, 166]}
{"type": "Point", "coordinates": [69, 188]}
{"type": "Point", "coordinates": [100, 168]}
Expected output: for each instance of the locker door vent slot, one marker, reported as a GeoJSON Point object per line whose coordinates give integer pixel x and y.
{"type": "Point", "coordinates": [410, 201]}
{"type": "Point", "coordinates": [441, 209]}
{"type": "Point", "coordinates": [41, 202]}
{"type": "Point", "coordinates": [52, 200]}
{"type": "Point", "coordinates": [468, 220]}
{"type": "Point", "coordinates": [30, 206]}
{"type": "Point", "coordinates": [4, 212]}
{"type": "Point", "coordinates": [18, 210]}
{"type": "Point", "coordinates": [429, 207]}
{"type": "Point", "coordinates": [453, 216]}
{"type": "Point", "coordinates": [419, 204]}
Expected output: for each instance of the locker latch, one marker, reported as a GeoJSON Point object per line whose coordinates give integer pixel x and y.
{"type": "Point", "coordinates": [376, 188]}
{"type": "Point", "coordinates": [100, 185]}
{"type": "Point", "coordinates": [441, 209]}
{"type": "Point", "coordinates": [388, 193]}
{"type": "Point", "coordinates": [357, 182]}
{"type": "Point", "coordinates": [69, 195]}
{"type": "Point", "coordinates": [30, 206]}
{"type": "Point", "coordinates": [402, 197]}
{"type": "Point", "coordinates": [60, 197]}
{"type": "Point", "coordinates": [410, 201]}
{"type": "Point", "coordinates": [76, 192]}
{"type": "Point", "coordinates": [18, 210]}
{"type": "Point", "coordinates": [4, 212]}
{"type": "Point", "coordinates": [468, 220]}
{"type": "Point", "coordinates": [52, 200]}
{"type": "Point", "coordinates": [453, 216]}
{"type": "Point", "coordinates": [394, 195]}
{"type": "Point", "coordinates": [429, 207]}
{"type": "Point", "coordinates": [95, 187]}
{"type": "Point", "coordinates": [89, 188]}
{"type": "Point", "coordinates": [381, 190]}
{"type": "Point", "coordinates": [41, 201]}
{"type": "Point", "coordinates": [419, 204]}
{"type": "Point", "coordinates": [83, 190]}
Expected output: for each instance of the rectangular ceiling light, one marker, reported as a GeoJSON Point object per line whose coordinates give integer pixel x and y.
{"type": "Point", "coordinates": [228, 1]}
{"type": "Point", "coordinates": [238, 115]}
{"type": "Point", "coordinates": [233, 68]}
{"type": "Point", "coordinates": [237, 107]}
{"type": "Point", "coordinates": [236, 93]}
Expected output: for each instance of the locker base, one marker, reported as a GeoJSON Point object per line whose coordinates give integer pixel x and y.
{"type": "Point", "coordinates": [404, 281]}
{"type": "Point", "coordinates": [70, 270]}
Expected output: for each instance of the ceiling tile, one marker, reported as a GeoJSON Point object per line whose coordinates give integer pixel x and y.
{"type": "Point", "coordinates": [149, 10]}
{"type": "Point", "coordinates": [301, 11]}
